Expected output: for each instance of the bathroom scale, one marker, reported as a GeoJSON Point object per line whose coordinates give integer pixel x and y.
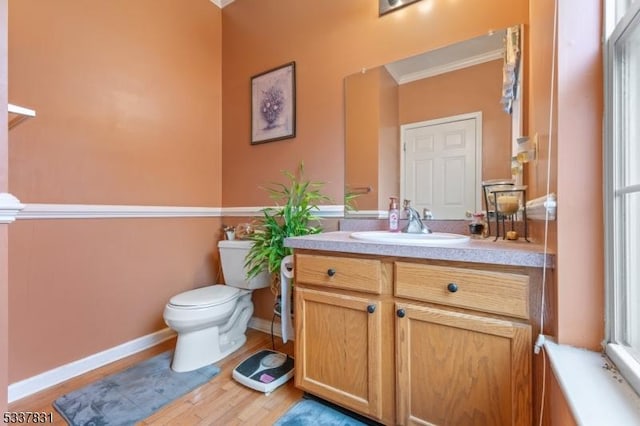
{"type": "Point", "coordinates": [264, 371]}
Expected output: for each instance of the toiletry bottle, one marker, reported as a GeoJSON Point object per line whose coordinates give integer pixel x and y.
{"type": "Point", "coordinates": [394, 215]}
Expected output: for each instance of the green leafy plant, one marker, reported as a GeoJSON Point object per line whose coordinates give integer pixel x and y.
{"type": "Point", "coordinates": [350, 203]}
{"type": "Point", "coordinates": [293, 216]}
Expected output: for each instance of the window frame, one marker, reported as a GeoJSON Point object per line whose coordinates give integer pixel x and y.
{"type": "Point", "coordinates": [620, 16]}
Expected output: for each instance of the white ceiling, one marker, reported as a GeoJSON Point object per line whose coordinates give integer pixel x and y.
{"type": "Point", "coordinates": [450, 58]}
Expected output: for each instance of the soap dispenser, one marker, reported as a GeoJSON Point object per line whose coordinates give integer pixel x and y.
{"type": "Point", "coordinates": [394, 215]}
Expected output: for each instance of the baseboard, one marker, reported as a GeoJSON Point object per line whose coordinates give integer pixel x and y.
{"type": "Point", "coordinates": [50, 378]}
{"type": "Point", "coordinates": [265, 326]}
{"type": "Point", "coordinates": [57, 375]}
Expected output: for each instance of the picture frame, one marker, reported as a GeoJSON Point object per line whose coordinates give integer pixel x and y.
{"type": "Point", "coordinates": [273, 104]}
{"type": "Point", "coordinates": [386, 6]}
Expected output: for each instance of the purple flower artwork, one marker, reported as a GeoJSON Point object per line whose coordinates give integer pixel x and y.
{"type": "Point", "coordinates": [273, 105]}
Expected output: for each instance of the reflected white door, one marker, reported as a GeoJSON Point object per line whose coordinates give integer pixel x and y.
{"type": "Point", "coordinates": [441, 167]}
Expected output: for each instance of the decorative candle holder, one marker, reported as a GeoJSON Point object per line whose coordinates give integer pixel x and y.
{"type": "Point", "coordinates": [489, 200]}
{"type": "Point", "coordinates": [508, 202]}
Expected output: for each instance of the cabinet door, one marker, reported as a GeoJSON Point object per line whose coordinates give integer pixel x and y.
{"type": "Point", "coordinates": [460, 369]}
{"type": "Point", "coordinates": [338, 349]}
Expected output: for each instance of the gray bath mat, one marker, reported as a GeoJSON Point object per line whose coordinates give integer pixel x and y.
{"type": "Point", "coordinates": [131, 395]}
{"type": "Point", "coordinates": [309, 412]}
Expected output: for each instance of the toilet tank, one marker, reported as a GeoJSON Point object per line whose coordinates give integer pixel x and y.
{"type": "Point", "coordinates": [232, 257]}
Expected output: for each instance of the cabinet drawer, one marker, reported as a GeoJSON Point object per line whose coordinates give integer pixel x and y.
{"type": "Point", "coordinates": [339, 272]}
{"type": "Point", "coordinates": [495, 292]}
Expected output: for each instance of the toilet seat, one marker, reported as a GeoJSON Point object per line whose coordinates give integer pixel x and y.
{"type": "Point", "coordinates": [204, 297]}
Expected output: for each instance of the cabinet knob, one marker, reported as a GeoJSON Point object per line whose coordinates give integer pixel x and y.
{"type": "Point", "coordinates": [331, 272]}
{"type": "Point", "coordinates": [452, 287]}
{"type": "Point", "coordinates": [400, 313]}
{"type": "Point", "coordinates": [371, 308]}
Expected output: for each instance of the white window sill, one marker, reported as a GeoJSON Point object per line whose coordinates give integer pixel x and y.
{"type": "Point", "coordinates": [596, 395]}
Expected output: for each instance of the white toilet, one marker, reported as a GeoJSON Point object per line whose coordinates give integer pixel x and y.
{"type": "Point", "coordinates": [211, 321]}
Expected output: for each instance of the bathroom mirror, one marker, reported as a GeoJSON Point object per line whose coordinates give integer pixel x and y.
{"type": "Point", "coordinates": [429, 128]}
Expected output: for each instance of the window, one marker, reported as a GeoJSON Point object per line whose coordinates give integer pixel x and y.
{"type": "Point", "coordinates": [622, 186]}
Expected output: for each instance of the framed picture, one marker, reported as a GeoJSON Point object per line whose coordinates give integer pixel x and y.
{"type": "Point", "coordinates": [273, 104]}
{"type": "Point", "coordinates": [386, 6]}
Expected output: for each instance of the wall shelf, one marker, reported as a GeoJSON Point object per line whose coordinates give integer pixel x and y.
{"type": "Point", "coordinates": [18, 114]}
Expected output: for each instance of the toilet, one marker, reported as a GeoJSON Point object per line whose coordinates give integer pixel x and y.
{"type": "Point", "coordinates": [211, 321]}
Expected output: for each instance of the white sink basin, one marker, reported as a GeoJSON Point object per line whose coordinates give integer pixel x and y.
{"type": "Point", "coordinates": [436, 238]}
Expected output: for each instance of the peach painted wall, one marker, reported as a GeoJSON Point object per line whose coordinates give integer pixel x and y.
{"type": "Point", "coordinates": [539, 40]}
{"type": "Point", "coordinates": [128, 102]}
{"type": "Point", "coordinates": [463, 91]}
{"type": "Point", "coordinates": [372, 135]}
{"type": "Point", "coordinates": [580, 268]}
{"type": "Point", "coordinates": [362, 131]}
{"type": "Point", "coordinates": [79, 287]}
{"type": "Point", "coordinates": [4, 277]}
{"type": "Point", "coordinates": [328, 41]}
{"type": "Point", "coordinates": [128, 97]}
{"type": "Point", "coordinates": [389, 141]}
{"type": "Point", "coordinates": [575, 155]}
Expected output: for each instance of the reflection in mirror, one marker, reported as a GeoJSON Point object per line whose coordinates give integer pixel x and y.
{"type": "Point", "coordinates": [430, 129]}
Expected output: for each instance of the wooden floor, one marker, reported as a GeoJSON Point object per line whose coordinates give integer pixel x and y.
{"type": "Point", "coordinates": [221, 401]}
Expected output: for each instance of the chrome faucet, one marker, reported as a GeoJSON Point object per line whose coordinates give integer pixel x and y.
{"type": "Point", "coordinates": [414, 224]}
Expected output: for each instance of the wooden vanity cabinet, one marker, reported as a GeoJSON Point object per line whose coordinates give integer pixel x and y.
{"type": "Point", "coordinates": [445, 343]}
{"type": "Point", "coordinates": [344, 326]}
{"type": "Point", "coordinates": [457, 365]}
{"type": "Point", "coordinates": [460, 369]}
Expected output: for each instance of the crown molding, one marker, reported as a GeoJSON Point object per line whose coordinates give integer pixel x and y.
{"type": "Point", "coordinates": [452, 66]}
{"type": "Point", "coordinates": [222, 3]}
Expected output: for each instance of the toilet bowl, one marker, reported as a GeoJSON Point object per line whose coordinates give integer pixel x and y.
{"type": "Point", "coordinates": [211, 321]}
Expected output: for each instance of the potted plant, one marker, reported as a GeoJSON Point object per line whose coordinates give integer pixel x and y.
{"type": "Point", "coordinates": [292, 216]}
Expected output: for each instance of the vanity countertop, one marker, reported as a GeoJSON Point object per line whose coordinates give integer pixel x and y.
{"type": "Point", "coordinates": [501, 252]}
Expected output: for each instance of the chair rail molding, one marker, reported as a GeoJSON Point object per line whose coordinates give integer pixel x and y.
{"type": "Point", "coordinates": [10, 206]}
{"type": "Point", "coordinates": [105, 211]}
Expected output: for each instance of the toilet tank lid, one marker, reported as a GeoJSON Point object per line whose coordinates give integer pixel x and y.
{"type": "Point", "coordinates": [205, 296]}
{"type": "Point", "coordinates": [243, 244]}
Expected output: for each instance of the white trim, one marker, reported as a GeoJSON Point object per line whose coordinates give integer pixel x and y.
{"type": "Point", "coordinates": [265, 326]}
{"type": "Point", "coordinates": [367, 214]}
{"type": "Point", "coordinates": [595, 392]}
{"type": "Point", "coordinates": [57, 375]}
{"type": "Point", "coordinates": [477, 116]}
{"type": "Point", "coordinates": [10, 206]}
{"type": "Point", "coordinates": [15, 109]}
{"type": "Point", "coordinates": [323, 211]}
{"type": "Point", "coordinates": [222, 3]}
{"type": "Point", "coordinates": [104, 211]}
{"type": "Point", "coordinates": [49, 378]}
{"type": "Point", "coordinates": [616, 301]}
{"type": "Point", "coordinates": [452, 66]}
{"type": "Point", "coordinates": [628, 190]}
{"type": "Point", "coordinates": [626, 363]}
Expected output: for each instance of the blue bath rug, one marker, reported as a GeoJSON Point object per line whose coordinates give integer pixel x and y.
{"type": "Point", "coordinates": [131, 395]}
{"type": "Point", "coordinates": [311, 412]}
